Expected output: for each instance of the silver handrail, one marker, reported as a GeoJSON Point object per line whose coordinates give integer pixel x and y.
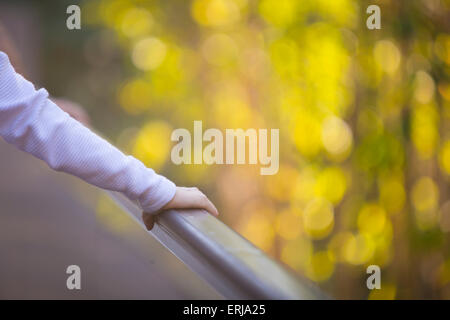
{"type": "Point", "coordinates": [229, 263]}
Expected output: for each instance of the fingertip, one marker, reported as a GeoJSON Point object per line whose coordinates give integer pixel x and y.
{"type": "Point", "coordinates": [214, 212]}
{"type": "Point", "coordinates": [149, 220]}
{"type": "Point", "coordinates": [215, 209]}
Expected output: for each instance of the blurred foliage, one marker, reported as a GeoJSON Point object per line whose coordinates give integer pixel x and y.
{"type": "Point", "coordinates": [363, 117]}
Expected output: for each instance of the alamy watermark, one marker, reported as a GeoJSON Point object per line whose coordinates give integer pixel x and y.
{"type": "Point", "coordinates": [235, 147]}
{"type": "Point", "coordinates": [374, 20]}
{"type": "Point", "coordinates": [73, 21]}
{"type": "Point", "coordinates": [374, 280]}
{"type": "Point", "coordinates": [73, 282]}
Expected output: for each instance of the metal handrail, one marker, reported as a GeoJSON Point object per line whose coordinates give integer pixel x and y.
{"type": "Point", "coordinates": [233, 266]}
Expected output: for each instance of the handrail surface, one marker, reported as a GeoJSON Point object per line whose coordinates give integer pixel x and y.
{"type": "Point", "coordinates": [233, 266]}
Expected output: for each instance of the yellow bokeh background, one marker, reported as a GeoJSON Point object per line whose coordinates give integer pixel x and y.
{"type": "Point", "coordinates": [363, 118]}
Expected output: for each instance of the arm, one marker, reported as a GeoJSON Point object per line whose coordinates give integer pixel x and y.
{"type": "Point", "coordinates": [34, 124]}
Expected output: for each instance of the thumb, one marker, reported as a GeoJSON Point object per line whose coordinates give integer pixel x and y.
{"type": "Point", "coordinates": [149, 220]}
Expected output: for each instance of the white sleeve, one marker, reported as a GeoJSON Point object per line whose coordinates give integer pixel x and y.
{"type": "Point", "coordinates": [34, 124]}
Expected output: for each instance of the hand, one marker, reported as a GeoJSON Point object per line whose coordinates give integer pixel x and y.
{"type": "Point", "coordinates": [184, 198]}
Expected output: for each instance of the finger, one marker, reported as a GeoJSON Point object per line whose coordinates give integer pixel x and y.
{"type": "Point", "coordinates": [209, 206]}
{"type": "Point", "coordinates": [149, 220]}
{"type": "Point", "coordinates": [206, 204]}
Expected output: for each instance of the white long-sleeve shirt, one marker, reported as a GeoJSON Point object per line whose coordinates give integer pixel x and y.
{"type": "Point", "coordinates": [34, 124]}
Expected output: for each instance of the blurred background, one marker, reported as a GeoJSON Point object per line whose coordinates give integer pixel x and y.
{"type": "Point", "coordinates": [364, 133]}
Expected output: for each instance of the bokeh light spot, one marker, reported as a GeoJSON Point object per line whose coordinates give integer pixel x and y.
{"type": "Point", "coordinates": [136, 22]}
{"type": "Point", "coordinates": [321, 266]}
{"type": "Point", "coordinates": [387, 55]}
{"type": "Point", "coordinates": [220, 50]}
{"type": "Point", "coordinates": [371, 219]}
{"type": "Point", "coordinates": [149, 53]}
{"type": "Point", "coordinates": [444, 157]}
{"type": "Point", "coordinates": [386, 292]}
{"type": "Point", "coordinates": [288, 224]}
{"type": "Point", "coordinates": [425, 194]}
{"type": "Point", "coordinates": [152, 144]}
{"type": "Point", "coordinates": [337, 138]}
{"type": "Point", "coordinates": [216, 13]}
{"type": "Point", "coordinates": [358, 249]}
{"type": "Point", "coordinates": [318, 218]}
{"type": "Point", "coordinates": [331, 184]}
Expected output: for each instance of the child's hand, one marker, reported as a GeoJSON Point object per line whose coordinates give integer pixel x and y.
{"type": "Point", "coordinates": [185, 198]}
